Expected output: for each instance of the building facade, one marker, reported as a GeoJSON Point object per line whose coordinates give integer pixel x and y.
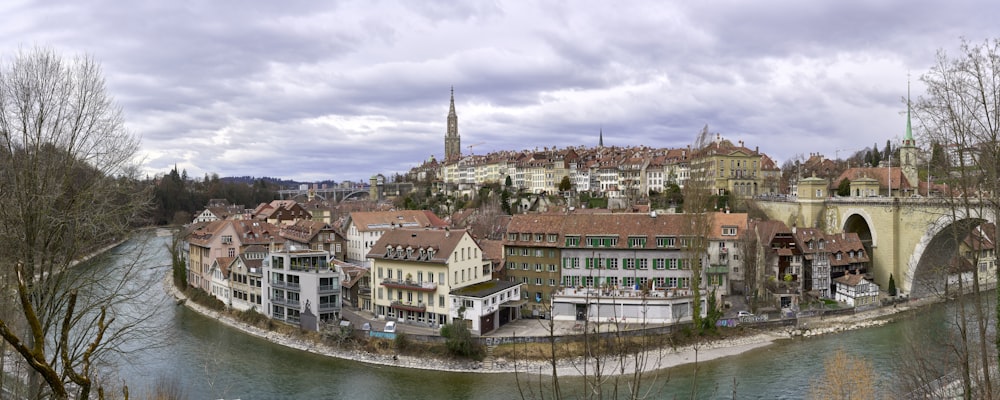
{"type": "Point", "coordinates": [301, 282]}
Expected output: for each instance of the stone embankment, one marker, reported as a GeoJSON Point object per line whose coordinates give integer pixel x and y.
{"type": "Point", "coordinates": [648, 361]}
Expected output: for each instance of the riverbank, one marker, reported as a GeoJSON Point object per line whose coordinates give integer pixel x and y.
{"type": "Point", "coordinates": [648, 361]}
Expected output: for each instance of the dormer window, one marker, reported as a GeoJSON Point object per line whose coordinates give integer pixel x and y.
{"type": "Point", "coordinates": [822, 244]}
{"type": "Point", "coordinates": [399, 251]}
{"type": "Point", "coordinates": [430, 253]}
{"type": "Point", "coordinates": [409, 252]}
{"type": "Point", "coordinates": [388, 252]}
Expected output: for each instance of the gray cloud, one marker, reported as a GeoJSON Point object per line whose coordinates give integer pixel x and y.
{"type": "Point", "coordinates": [345, 90]}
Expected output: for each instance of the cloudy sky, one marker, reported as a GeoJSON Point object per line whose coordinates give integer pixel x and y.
{"type": "Point", "coordinates": [342, 90]}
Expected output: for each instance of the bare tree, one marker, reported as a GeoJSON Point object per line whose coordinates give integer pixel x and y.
{"type": "Point", "coordinates": [698, 212]}
{"type": "Point", "coordinates": [67, 169]}
{"type": "Point", "coordinates": [961, 112]}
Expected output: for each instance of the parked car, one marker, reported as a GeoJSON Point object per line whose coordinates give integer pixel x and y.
{"type": "Point", "coordinates": [390, 327]}
{"type": "Point", "coordinates": [745, 314]}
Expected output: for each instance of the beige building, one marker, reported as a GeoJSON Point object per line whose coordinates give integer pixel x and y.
{"type": "Point", "coordinates": [414, 270]}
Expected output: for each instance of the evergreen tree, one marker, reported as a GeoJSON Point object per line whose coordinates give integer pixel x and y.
{"type": "Point", "coordinates": [844, 189]}
{"type": "Point", "coordinates": [876, 156]}
{"type": "Point", "coordinates": [892, 285]}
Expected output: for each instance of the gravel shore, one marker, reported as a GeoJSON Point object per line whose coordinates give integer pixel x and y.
{"type": "Point", "coordinates": [648, 361]}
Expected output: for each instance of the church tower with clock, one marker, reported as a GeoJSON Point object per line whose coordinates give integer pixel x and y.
{"type": "Point", "coordinates": [452, 142]}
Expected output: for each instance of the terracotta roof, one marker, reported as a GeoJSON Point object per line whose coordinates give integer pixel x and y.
{"type": "Point", "coordinates": [879, 174]}
{"type": "Point", "coordinates": [492, 249]}
{"type": "Point", "coordinates": [442, 241]}
{"type": "Point", "coordinates": [727, 220]}
{"type": "Point", "coordinates": [224, 263]}
{"type": "Point", "coordinates": [352, 273]}
{"type": "Point", "coordinates": [385, 220]}
{"type": "Point", "coordinates": [850, 279]}
{"type": "Point", "coordinates": [982, 237]}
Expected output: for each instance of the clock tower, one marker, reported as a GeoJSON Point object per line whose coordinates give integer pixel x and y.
{"type": "Point", "coordinates": [452, 142]}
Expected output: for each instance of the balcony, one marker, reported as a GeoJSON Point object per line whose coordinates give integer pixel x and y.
{"type": "Point", "coordinates": [285, 285]}
{"type": "Point", "coordinates": [327, 306]}
{"type": "Point", "coordinates": [414, 307]}
{"type": "Point", "coordinates": [329, 288]}
{"type": "Point", "coordinates": [717, 269]}
{"type": "Point", "coordinates": [410, 285]}
{"type": "Point", "coordinates": [286, 302]}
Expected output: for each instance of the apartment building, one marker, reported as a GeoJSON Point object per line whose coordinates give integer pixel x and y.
{"type": "Point", "coordinates": [301, 287]}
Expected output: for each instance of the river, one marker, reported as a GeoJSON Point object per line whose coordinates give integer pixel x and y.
{"type": "Point", "coordinates": [211, 360]}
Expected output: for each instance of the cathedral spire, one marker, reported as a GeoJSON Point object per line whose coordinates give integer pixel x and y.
{"type": "Point", "coordinates": [600, 139]}
{"type": "Point", "coordinates": [452, 141]}
{"type": "Point", "coordinates": [451, 109]}
{"type": "Point", "coordinates": [908, 139]}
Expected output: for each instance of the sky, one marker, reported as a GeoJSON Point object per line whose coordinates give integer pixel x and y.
{"type": "Point", "coordinates": [342, 90]}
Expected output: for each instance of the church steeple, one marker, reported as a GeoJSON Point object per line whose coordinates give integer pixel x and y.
{"type": "Point", "coordinates": [452, 141]}
{"type": "Point", "coordinates": [908, 138]}
{"type": "Point", "coordinates": [908, 151]}
{"type": "Point", "coordinates": [600, 139]}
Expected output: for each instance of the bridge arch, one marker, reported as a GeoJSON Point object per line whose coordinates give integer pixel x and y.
{"type": "Point", "coordinates": [926, 269]}
{"type": "Point", "coordinates": [358, 193]}
{"type": "Point", "coordinates": [857, 220]}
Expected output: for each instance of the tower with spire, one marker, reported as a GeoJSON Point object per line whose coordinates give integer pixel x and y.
{"type": "Point", "coordinates": [908, 151]}
{"type": "Point", "coordinates": [452, 141]}
{"type": "Point", "coordinates": [600, 138]}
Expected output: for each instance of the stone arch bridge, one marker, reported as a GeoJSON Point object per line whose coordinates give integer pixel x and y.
{"type": "Point", "coordinates": [910, 238]}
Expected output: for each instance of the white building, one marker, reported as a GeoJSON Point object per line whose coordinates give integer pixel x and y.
{"type": "Point", "coordinates": [855, 290]}
{"type": "Point", "coordinates": [297, 281]}
{"type": "Point", "coordinates": [484, 305]}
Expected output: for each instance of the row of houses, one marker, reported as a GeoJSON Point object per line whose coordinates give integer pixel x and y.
{"type": "Point", "coordinates": [615, 172]}
{"type": "Point", "coordinates": [575, 264]}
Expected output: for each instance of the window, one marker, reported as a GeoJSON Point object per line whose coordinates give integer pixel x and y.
{"type": "Point", "coordinates": [672, 263]}
{"type": "Point", "coordinates": [728, 231]}
{"type": "Point", "coordinates": [629, 263]}
{"type": "Point", "coordinates": [538, 253]}
{"type": "Point", "coordinates": [642, 263]}
{"type": "Point", "coordinates": [665, 242]}
{"type": "Point", "coordinates": [524, 252]}
{"type": "Point", "coordinates": [612, 263]}
{"type": "Point", "coordinates": [512, 237]}
{"type": "Point", "coordinates": [552, 268]}
{"type": "Point", "coordinates": [538, 267]}
{"type": "Point", "coordinates": [552, 282]}
{"type": "Point", "coordinates": [511, 251]}
{"type": "Point", "coordinates": [602, 241]}
{"type": "Point", "coordinates": [612, 281]}
{"type": "Point", "coordinates": [634, 242]}
{"type": "Point", "coordinates": [552, 238]}
{"type": "Point", "coordinates": [538, 281]}
{"type": "Point", "coordinates": [538, 237]}
{"type": "Point", "coordinates": [659, 263]}
{"type": "Point", "coordinates": [525, 237]}
{"type": "Point", "coordinates": [572, 241]}
{"type": "Point", "coordinates": [524, 266]}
